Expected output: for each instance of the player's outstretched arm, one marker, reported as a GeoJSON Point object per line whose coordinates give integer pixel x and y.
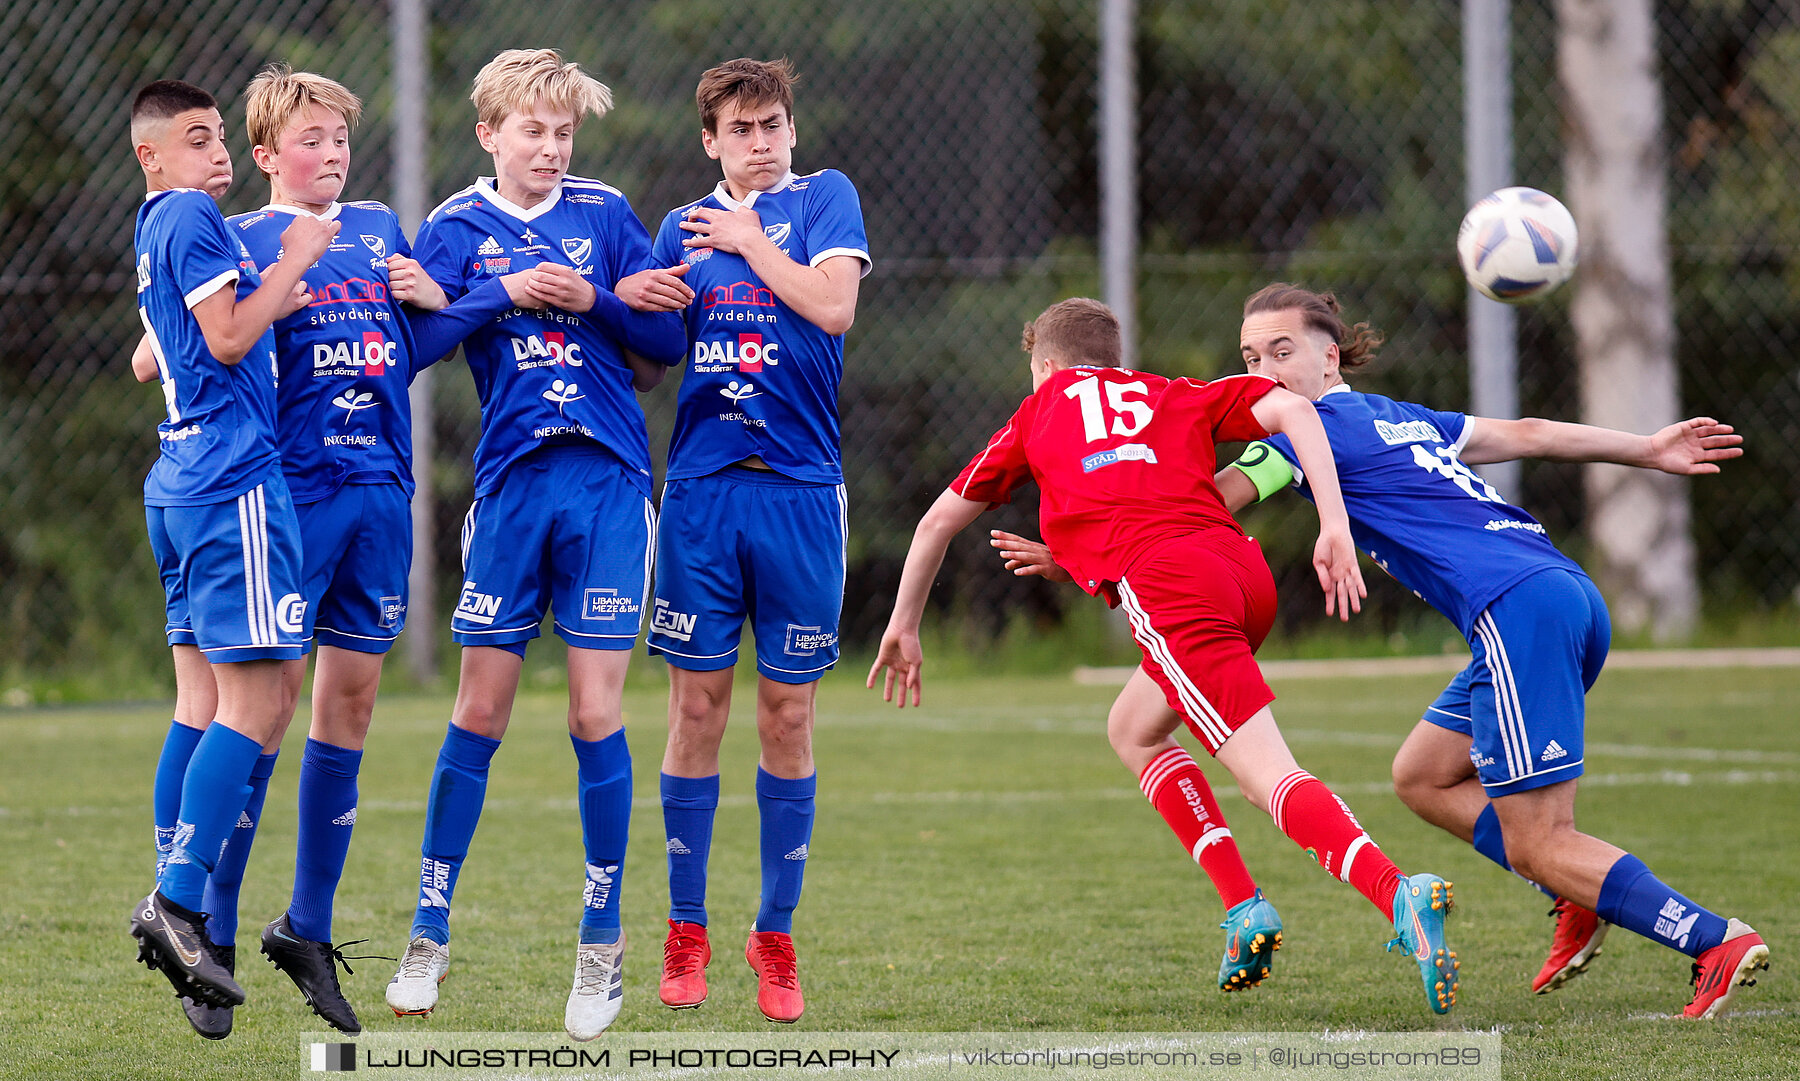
{"type": "Point", "coordinates": [901, 656]}
{"type": "Point", "coordinates": [824, 296]}
{"type": "Point", "coordinates": [1334, 556]}
{"type": "Point", "coordinates": [1685, 448]}
{"type": "Point", "coordinates": [1028, 557]}
{"type": "Point", "coordinates": [231, 326]}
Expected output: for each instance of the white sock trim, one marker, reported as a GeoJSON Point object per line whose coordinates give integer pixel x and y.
{"type": "Point", "coordinates": [1350, 856]}
{"type": "Point", "coordinates": [1209, 838]}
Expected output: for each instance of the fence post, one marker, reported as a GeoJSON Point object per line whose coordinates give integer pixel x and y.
{"type": "Point", "coordinates": [411, 120]}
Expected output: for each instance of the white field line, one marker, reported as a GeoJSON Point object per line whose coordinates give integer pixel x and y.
{"type": "Point", "coordinates": [1454, 662]}
{"type": "Point", "coordinates": [1657, 778]}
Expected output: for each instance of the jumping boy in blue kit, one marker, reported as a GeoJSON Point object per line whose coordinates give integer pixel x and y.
{"type": "Point", "coordinates": [754, 519]}
{"type": "Point", "coordinates": [220, 519]}
{"type": "Point", "coordinates": [562, 515]}
{"type": "Point", "coordinates": [345, 440]}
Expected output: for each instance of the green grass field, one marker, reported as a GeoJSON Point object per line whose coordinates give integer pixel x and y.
{"type": "Point", "coordinates": [983, 863]}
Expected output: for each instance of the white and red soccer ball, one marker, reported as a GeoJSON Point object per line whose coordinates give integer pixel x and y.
{"type": "Point", "coordinates": [1517, 245]}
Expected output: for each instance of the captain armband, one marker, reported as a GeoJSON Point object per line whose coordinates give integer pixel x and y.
{"type": "Point", "coordinates": [1267, 469]}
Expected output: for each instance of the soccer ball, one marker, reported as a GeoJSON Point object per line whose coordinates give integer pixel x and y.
{"type": "Point", "coordinates": [1517, 245]}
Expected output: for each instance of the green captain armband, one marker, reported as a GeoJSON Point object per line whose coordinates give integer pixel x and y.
{"type": "Point", "coordinates": [1269, 471]}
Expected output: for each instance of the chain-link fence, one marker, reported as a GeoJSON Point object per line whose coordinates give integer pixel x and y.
{"type": "Point", "coordinates": [1277, 139]}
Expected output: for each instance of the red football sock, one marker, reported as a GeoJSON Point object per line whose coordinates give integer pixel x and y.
{"type": "Point", "coordinates": [1318, 821]}
{"type": "Point", "coordinates": [1174, 785]}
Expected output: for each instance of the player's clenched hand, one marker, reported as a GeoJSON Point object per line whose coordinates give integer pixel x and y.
{"type": "Point", "coordinates": [408, 281]}
{"type": "Point", "coordinates": [1334, 557]}
{"type": "Point", "coordinates": [656, 290]}
{"type": "Point", "coordinates": [1694, 446]}
{"type": "Point", "coordinates": [904, 661]}
{"type": "Point", "coordinates": [727, 230]}
{"type": "Point", "coordinates": [518, 290]}
{"type": "Point", "coordinates": [299, 298]}
{"type": "Point", "coordinates": [559, 286]}
{"type": "Point", "coordinates": [307, 237]}
{"type": "Point", "coordinates": [1027, 557]}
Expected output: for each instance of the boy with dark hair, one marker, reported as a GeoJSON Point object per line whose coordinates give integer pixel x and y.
{"type": "Point", "coordinates": [754, 516]}
{"type": "Point", "coordinates": [220, 518]}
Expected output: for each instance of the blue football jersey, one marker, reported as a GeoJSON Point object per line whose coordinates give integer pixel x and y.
{"type": "Point", "coordinates": [551, 376]}
{"type": "Point", "coordinates": [1418, 511]}
{"type": "Point", "coordinates": [762, 380]}
{"type": "Point", "coordinates": [218, 440]}
{"type": "Point", "coordinates": [346, 359]}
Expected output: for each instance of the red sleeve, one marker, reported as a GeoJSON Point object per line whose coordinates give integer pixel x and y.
{"type": "Point", "coordinates": [992, 475]}
{"type": "Point", "coordinates": [1227, 403]}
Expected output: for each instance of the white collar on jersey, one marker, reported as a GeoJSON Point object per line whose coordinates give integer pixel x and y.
{"type": "Point", "coordinates": [723, 193]}
{"type": "Point", "coordinates": [330, 211]}
{"type": "Point", "coordinates": [486, 185]}
{"type": "Point", "coordinates": [1338, 388]}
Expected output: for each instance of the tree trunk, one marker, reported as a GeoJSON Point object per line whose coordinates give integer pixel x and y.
{"type": "Point", "coordinates": [1623, 311]}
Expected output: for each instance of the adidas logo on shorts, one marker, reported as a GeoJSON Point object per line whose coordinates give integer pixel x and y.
{"type": "Point", "coordinates": [1553, 752]}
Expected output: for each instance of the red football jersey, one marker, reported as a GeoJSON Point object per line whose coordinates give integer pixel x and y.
{"type": "Point", "coordinates": [1123, 459]}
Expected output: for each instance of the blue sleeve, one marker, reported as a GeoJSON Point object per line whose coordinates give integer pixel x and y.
{"type": "Point", "coordinates": [435, 334]}
{"type": "Point", "coordinates": [658, 336]}
{"type": "Point", "coordinates": [834, 221]}
{"type": "Point", "coordinates": [667, 251]}
{"type": "Point", "coordinates": [1453, 425]}
{"type": "Point", "coordinates": [440, 260]}
{"type": "Point", "coordinates": [202, 251]}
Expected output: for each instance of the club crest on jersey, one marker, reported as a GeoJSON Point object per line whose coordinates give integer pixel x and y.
{"type": "Point", "coordinates": [578, 248]}
{"type": "Point", "coordinates": [779, 233]}
{"type": "Point", "coordinates": [376, 244]}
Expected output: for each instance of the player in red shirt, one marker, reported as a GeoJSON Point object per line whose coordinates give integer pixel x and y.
{"type": "Point", "coordinates": [1124, 461]}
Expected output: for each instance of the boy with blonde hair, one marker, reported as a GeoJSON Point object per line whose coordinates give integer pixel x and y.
{"type": "Point", "coordinates": [345, 435]}
{"type": "Point", "coordinates": [562, 512]}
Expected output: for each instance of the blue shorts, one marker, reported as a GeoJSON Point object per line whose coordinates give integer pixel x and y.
{"type": "Point", "coordinates": [1522, 700]}
{"type": "Point", "coordinates": [231, 575]}
{"type": "Point", "coordinates": [750, 543]}
{"type": "Point", "coordinates": [570, 530]}
{"type": "Point", "coordinates": [357, 549]}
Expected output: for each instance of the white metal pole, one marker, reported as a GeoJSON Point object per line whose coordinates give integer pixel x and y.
{"type": "Point", "coordinates": [1118, 167]}
{"type": "Point", "coordinates": [411, 133]}
{"type": "Point", "coordinates": [1487, 142]}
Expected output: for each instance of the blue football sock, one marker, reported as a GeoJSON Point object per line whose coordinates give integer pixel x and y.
{"type": "Point", "coordinates": [178, 747]}
{"type": "Point", "coordinates": [689, 804]}
{"type": "Point", "coordinates": [1638, 901]}
{"type": "Point", "coordinates": [1491, 844]}
{"type": "Point", "coordinates": [327, 817]}
{"type": "Point", "coordinates": [458, 788]}
{"type": "Point", "coordinates": [213, 792]}
{"type": "Point", "coordinates": [787, 821]}
{"type": "Point", "coordinates": [603, 781]}
{"type": "Point", "coordinates": [220, 901]}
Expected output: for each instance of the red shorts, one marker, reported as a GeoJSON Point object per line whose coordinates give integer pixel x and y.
{"type": "Point", "coordinates": [1199, 607]}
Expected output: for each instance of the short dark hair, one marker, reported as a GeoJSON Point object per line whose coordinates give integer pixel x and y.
{"type": "Point", "coordinates": [165, 98]}
{"type": "Point", "coordinates": [756, 82]}
{"type": "Point", "coordinates": [1076, 331]}
{"type": "Point", "coordinates": [1320, 311]}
